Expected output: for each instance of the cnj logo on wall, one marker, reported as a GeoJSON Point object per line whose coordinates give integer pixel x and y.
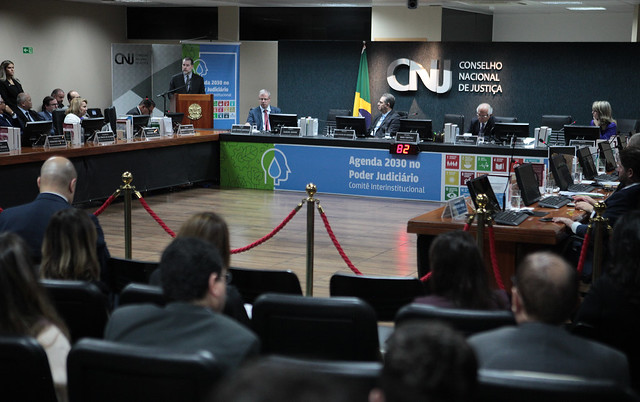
{"type": "Point", "coordinates": [121, 58]}
{"type": "Point", "coordinates": [430, 79]}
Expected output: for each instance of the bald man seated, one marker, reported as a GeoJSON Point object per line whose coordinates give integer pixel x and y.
{"type": "Point", "coordinates": [57, 185]}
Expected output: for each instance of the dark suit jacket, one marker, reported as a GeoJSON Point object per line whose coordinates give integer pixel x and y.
{"type": "Point", "coordinates": [30, 221]}
{"type": "Point", "coordinates": [22, 119]}
{"type": "Point", "coordinates": [474, 128]}
{"type": "Point", "coordinates": [197, 84]}
{"type": "Point", "coordinates": [390, 125]}
{"type": "Point", "coordinates": [544, 348]}
{"type": "Point", "coordinates": [256, 116]}
{"type": "Point", "coordinates": [621, 201]}
{"type": "Point", "coordinates": [7, 121]}
{"type": "Point", "coordinates": [135, 111]}
{"type": "Point", "coordinates": [183, 327]}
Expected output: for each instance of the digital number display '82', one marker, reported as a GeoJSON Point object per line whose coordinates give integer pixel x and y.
{"type": "Point", "coordinates": [404, 149]}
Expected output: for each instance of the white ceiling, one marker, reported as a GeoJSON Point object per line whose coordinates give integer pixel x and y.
{"type": "Point", "coordinates": [482, 6]}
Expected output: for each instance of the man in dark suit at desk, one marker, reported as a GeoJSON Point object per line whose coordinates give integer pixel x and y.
{"type": "Point", "coordinates": [388, 122]}
{"type": "Point", "coordinates": [187, 82]}
{"type": "Point", "coordinates": [145, 107]}
{"type": "Point", "coordinates": [25, 113]}
{"type": "Point", "coordinates": [259, 116]}
{"type": "Point", "coordinates": [482, 124]}
{"type": "Point", "coordinates": [7, 117]}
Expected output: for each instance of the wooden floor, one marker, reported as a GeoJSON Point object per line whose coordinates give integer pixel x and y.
{"type": "Point", "coordinates": [372, 231]}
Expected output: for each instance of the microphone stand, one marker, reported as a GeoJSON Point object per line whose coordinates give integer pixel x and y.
{"type": "Point", "coordinates": [169, 92]}
{"type": "Point", "coordinates": [513, 152]}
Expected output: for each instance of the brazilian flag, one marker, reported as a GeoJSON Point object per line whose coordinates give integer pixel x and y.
{"type": "Point", "coordinates": [362, 100]}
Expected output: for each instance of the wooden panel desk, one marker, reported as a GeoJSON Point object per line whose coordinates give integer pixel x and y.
{"type": "Point", "coordinates": [512, 242]}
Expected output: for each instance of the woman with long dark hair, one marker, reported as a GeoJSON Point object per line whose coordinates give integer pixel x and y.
{"type": "Point", "coordinates": [10, 86]}
{"type": "Point", "coordinates": [459, 278]}
{"type": "Point", "coordinates": [25, 308]}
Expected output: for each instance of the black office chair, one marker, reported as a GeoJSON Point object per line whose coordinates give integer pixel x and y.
{"type": "Point", "coordinates": [123, 272]}
{"type": "Point", "coordinates": [110, 116]}
{"type": "Point", "coordinates": [628, 127]}
{"type": "Point", "coordinates": [58, 120]}
{"type": "Point", "coordinates": [336, 328]}
{"type": "Point", "coordinates": [24, 371]}
{"type": "Point", "coordinates": [385, 294]}
{"type": "Point", "coordinates": [455, 119]}
{"type": "Point", "coordinates": [101, 371]}
{"type": "Point", "coordinates": [356, 378]}
{"type": "Point", "coordinates": [555, 122]}
{"type": "Point", "coordinates": [501, 119]}
{"type": "Point", "coordinates": [506, 386]}
{"type": "Point", "coordinates": [251, 283]}
{"type": "Point", "coordinates": [139, 293]}
{"type": "Point", "coordinates": [468, 322]}
{"type": "Point", "coordinates": [82, 306]}
{"type": "Point", "coordinates": [331, 118]}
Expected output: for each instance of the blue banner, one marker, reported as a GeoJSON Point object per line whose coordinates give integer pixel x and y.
{"type": "Point", "coordinates": [219, 65]}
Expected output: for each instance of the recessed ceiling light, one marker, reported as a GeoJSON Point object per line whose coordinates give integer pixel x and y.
{"type": "Point", "coordinates": [586, 8]}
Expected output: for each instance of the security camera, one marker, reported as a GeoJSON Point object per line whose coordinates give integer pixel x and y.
{"type": "Point", "coordinates": [412, 4]}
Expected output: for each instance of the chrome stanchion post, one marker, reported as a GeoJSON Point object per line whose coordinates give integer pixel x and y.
{"type": "Point", "coordinates": [481, 217]}
{"type": "Point", "coordinates": [127, 190]}
{"type": "Point", "coordinates": [600, 224]}
{"type": "Point", "coordinates": [311, 191]}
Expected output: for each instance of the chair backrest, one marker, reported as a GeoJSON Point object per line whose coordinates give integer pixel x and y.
{"type": "Point", "coordinates": [468, 322]}
{"type": "Point", "coordinates": [110, 117]}
{"type": "Point", "coordinates": [82, 306]}
{"type": "Point", "coordinates": [124, 272]}
{"type": "Point", "coordinates": [455, 119]}
{"type": "Point", "coordinates": [338, 328]}
{"type": "Point", "coordinates": [251, 283]}
{"type": "Point", "coordinates": [500, 385]}
{"type": "Point", "coordinates": [101, 370]}
{"type": "Point", "coordinates": [555, 122]}
{"type": "Point", "coordinates": [58, 120]}
{"type": "Point", "coordinates": [24, 371]}
{"type": "Point", "coordinates": [355, 377]}
{"type": "Point", "coordinates": [138, 293]}
{"type": "Point", "coordinates": [331, 118]}
{"type": "Point", "coordinates": [628, 126]}
{"type": "Point", "coordinates": [502, 119]}
{"type": "Point", "coordinates": [385, 294]}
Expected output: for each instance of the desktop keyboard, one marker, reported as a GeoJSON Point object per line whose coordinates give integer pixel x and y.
{"type": "Point", "coordinates": [554, 201]}
{"type": "Point", "coordinates": [511, 218]}
{"type": "Point", "coordinates": [581, 188]}
{"type": "Point", "coordinates": [606, 177]}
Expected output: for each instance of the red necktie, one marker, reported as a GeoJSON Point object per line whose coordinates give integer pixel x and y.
{"type": "Point", "coordinates": [266, 121]}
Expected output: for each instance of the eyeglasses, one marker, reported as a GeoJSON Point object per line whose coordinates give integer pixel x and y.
{"type": "Point", "coordinates": [483, 115]}
{"type": "Point", "coordinates": [53, 104]}
{"type": "Point", "coordinates": [264, 99]}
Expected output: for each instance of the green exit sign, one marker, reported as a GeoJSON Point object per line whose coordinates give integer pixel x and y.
{"type": "Point", "coordinates": [27, 50]}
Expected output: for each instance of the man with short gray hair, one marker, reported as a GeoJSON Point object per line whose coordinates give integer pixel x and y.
{"type": "Point", "coordinates": [388, 122]}
{"type": "Point", "coordinates": [259, 116]}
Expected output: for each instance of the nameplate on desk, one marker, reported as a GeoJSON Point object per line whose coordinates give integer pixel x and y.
{"type": "Point", "coordinates": [290, 131]}
{"type": "Point", "coordinates": [466, 140]}
{"type": "Point", "coordinates": [582, 143]}
{"type": "Point", "coordinates": [240, 129]}
{"type": "Point", "coordinates": [344, 133]}
{"type": "Point", "coordinates": [405, 138]}
{"type": "Point", "coordinates": [4, 147]}
{"type": "Point", "coordinates": [151, 133]}
{"type": "Point", "coordinates": [456, 208]}
{"type": "Point", "coordinates": [105, 138]}
{"type": "Point", "coordinates": [186, 129]}
{"type": "Point", "coordinates": [55, 141]}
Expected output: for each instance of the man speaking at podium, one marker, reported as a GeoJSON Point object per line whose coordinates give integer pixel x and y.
{"type": "Point", "coordinates": [187, 82]}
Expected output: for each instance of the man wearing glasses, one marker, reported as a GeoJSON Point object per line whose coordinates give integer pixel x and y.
{"type": "Point", "coordinates": [482, 124]}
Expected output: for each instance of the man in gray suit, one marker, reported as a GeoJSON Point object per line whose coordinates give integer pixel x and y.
{"type": "Point", "coordinates": [194, 277]}
{"type": "Point", "coordinates": [544, 294]}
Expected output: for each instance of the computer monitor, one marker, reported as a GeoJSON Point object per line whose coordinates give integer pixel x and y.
{"type": "Point", "coordinates": [560, 171]}
{"type": "Point", "coordinates": [35, 132]}
{"type": "Point", "coordinates": [423, 127]}
{"type": "Point", "coordinates": [140, 121]}
{"type": "Point", "coordinates": [506, 131]}
{"type": "Point", "coordinates": [585, 159]}
{"type": "Point", "coordinates": [589, 133]}
{"type": "Point", "coordinates": [90, 126]}
{"type": "Point", "coordinates": [356, 123]}
{"type": "Point", "coordinates": [556, 122]}
{"type": "Point", "coordinates": [606, 153]}
{"type": "Point", "coordinates": [528, 183]}
{"type": "Point", "coordinates": [94, 112]}
{"type": "Point", "coordinates": [279, 120]}
{"type": "Point", "coordinates": [111, 117]}
{"type": "Point", "coordinates": [176, 118]}
{"type": "Point", "coordinates": [481, 185]}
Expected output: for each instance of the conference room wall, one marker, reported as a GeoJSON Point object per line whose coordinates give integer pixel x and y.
{"type": "Point", "coordinates": [258, 69]}
{"type": "Point", "coordinates": [71, 46]}
{"type": "Point", "coordinates": [536, 78]}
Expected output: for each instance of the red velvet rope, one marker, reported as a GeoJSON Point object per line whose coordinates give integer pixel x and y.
{"type": "Point", "coordinates": [494, 259]}
{"type": "Point", "coordinates": [583, 251]}
{"type": "Point", "coordinates": [105, 205]}
{"type": "Point", "coordinates": [157, 219]}
{"type": "Point", "coordinates": [270, 235]}
{"type": "Point", "coordinates": [466, 228]}
{"type": "Point", "coordinates": [426, 277]}
{"type": "Point", "coordinates": [338, 247]}
{"type": "Point", "coordinates": [1, 209]}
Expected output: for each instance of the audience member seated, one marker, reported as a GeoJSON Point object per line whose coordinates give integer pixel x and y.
{"type": "Point", "coordinates": [76, 111]}
{"type": "Point", "coordinates": [634, 140]}
{"type": "Point", "coordinates": [612, 306]}
{"type": "Point", "coordinates": [25, 308]}
{"type": "Point", "coordinates": [601, 112]}
{"type": "Point", "coordinates": [145, 107]}
{"type": "Point", "coordinates": [58, 95]}
{"type": "Point", "coordinates": [49, 104]}
{"type": "Point", "coordinates": [10, 86]}
{"type": "Point", "coordinates": [7, 117]}
{"type": "Point", "coordinates": [193, 274]}
{"type": "Point", "coordinates": [25, 113]}
{"type": "Point", "coordinates": [69, 248]}
{"type": "Point", "coordinates": [459, 278]}
{"type": "Point", "coordinates": [57, 185]}
{"type": "Point", "coordinates": [426, 362]}
{"type": "Point", "coordinates": [211, 228]}
{"type": "Point", "coordinates": [544, 295]}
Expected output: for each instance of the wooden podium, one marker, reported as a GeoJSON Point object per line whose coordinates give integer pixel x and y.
{"type": "Point", "coordinates": [182, 102]}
